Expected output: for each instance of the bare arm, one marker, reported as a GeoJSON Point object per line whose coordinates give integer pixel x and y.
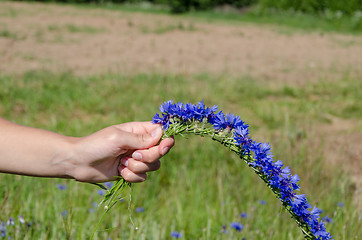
{"type": "Point", "coordinates": [98, 157]}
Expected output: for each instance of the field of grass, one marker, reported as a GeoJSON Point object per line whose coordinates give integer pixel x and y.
{"type": "Point", "coordinates": [326, 22]}
{"type": "Point", "coordinates": [201, 186]}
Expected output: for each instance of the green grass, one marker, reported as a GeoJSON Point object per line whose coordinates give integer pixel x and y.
{"type": "Point", "coordinates": [6, 33]}
{"type": "Point", "coordinates": [82, 29]}
{"type": "Point", "coordinates": [201, 186]}
{"type": "Point", "coordinates": [326, 22]}
{"type": "Point", "coordinates": [165, 28]}
{"type": "Point", "coordinates": [293, 20]}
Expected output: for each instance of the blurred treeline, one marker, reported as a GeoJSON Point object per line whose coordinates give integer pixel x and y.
{"type": "Point", "coordinates": [347, 7]}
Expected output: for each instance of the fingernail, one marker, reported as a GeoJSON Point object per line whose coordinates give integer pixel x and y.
{"type": "Point", "coordinates": [165, 150]}
{"type": "Point", "coordinates": [137, 156]}
{"type": "Point", "coordinates": [124, 162]}
{"type": "Point", "coordinates": [156, 132]}
{"type": "Point", "coordinates": [121, 169]}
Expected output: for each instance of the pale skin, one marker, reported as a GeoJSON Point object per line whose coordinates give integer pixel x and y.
{"type": "Point", "coordinates": [129, 150]}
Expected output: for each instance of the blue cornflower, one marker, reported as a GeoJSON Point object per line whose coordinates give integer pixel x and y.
{"type": "Point", "coordinates": [219, 121]}
{"type": "Point", "coordinates": [262, 202]}
{"type": "Point", "coordinates": [64, 213]}
{"type": "Point", "coordinates": [61, 187]}
{"type": "Point", "coordinates": [315, 212]}
{"type": "Point", "coordinates": [2, 229]}
{"type": "Point", "coordinates": [241, 137]}
{"type": "Point", "coordinates": [140, 209]}
{"type": "Point", "coordinates": [299, 199]}
{"type": "Point", "coordinates": [319, 230]}
{"type": "Point", "coordinates": [327, 219]}
{"type": "Point", "coordinates": [101, 192]}
{"type": "Point", "coordinates": [224, 230]}
{"type": "Point", "coordinates": [300, 207]}
{"type": "Point", "coordinates": [234, 121]}
{"type": "Point", "coordinates": [164, 120]}
{"type": "Point", "coordinates": [243, 215]}
{"type": "Point", "coordinates": [176, 234]}
{"type": "Point", "coordinates": [10, 221]}
{"type": "Point", "coordinates": [200, 111]}
{"type": "Point", "coordinates": [180, 111]}
{"type": "Point", "coordinates": [340, 204]}
{"type": "Point", "coordinates": [294, 181]}
{"type": "Point", "coordinates": [286, 194]}
{"type": "Point", "coordinates": [237, 226]}
{"type": "Point", "coordinates": [108, 185]}
{"type": "Point", "coordinates": [167, 107]}
{"type": "Point", "coordinates": [21, 219]}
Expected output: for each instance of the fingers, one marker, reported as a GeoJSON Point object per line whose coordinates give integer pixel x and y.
{"type": "Point", "coordinates": [140, 141]}
{"type": "Point", "coordinates": [130, 176]}
{"type": "Point", "coordinates": [133, 169]}
{"type": "Point", "coordinates": [140, 167]}
{"type": "Point", "coordinates": [137, 127]}
{"type": "Point", "coordinates": [165, 145]}
{"type": "Point", "coordinates": [154, 153]}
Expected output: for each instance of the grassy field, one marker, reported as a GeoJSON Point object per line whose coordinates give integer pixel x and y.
{"type": "Point", "coordinates": [309, 110]}
{"type": "Point", "coordinates": [201, 186]}
{"type": "Point", "coordinates": [326, 22]}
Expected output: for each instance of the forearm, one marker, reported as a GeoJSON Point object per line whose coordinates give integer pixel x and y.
{"type": "Point", "coordinates": [33, 152]}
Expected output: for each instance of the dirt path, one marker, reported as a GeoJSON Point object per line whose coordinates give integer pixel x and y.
{"type": "Point", "coordinates": [92, 41]}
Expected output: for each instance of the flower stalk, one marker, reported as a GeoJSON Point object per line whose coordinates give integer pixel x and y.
{"type": "Point", "coordinates": [229, 130]}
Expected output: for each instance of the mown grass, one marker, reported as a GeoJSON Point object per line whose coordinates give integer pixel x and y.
{"type": "Point", "coordinates": [201, 186]}
{"type": "Point", "coordinates": [6, 33]}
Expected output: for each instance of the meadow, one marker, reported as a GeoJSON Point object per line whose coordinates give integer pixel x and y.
{"type": "Point", "coordinates": [313, 126]}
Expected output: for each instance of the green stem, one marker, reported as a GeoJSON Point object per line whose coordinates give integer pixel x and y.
{"type": "Point", "coordinates": [225, 138]}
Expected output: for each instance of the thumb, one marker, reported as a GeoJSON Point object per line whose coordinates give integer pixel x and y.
{"type": "Point", "coordinates": [142, 140]}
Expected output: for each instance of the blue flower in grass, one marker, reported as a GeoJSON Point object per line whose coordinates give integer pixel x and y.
{"type": "Point", "coordinates": [10, 221]}
{"type": "Point", "coordinates": [262, 202]}
{"type": "Point", "coordinates": [101, 192]}
{"type": "Point", "coordinates": [140, 209]}
{"type": "Point", "coordinates": [243, 215]}
{"type": "Point", "coordinates": [64, 213]}
{"type": "Point", "coordinates": [61, 186]}
{"type": "Point", "coordinates": [108, 185]}
{"type": "Point", "coordinates": [21, 219]}
{"type": "Point", "coordinates": [237, 226]}
{"type": "Point", "coordinates": [2, 229]}
{"type": "Point", "coordinates": [176, 234]}
{"type": "Point", "coordinates": [340, 204]}
{"type": "Point", "coordinates": [224, 230]}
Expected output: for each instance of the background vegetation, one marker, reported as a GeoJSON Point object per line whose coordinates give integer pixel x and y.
{"type": "Point", "coordinates": [310, 6]}
{"type": "Point", "coordinates": [201, 186]}
{"type": "Point", "coordinates": [311, 14]}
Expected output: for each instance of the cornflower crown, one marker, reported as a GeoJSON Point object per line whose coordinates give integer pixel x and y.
{"type": "Point", "coordinates": [232, 132]}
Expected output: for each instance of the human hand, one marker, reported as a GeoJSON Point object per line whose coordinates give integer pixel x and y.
{"type": "Point", "coordinates": [128, 149]}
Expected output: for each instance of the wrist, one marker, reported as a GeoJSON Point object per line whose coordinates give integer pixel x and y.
{"type": "Point", "coordinates": [63, 160]}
